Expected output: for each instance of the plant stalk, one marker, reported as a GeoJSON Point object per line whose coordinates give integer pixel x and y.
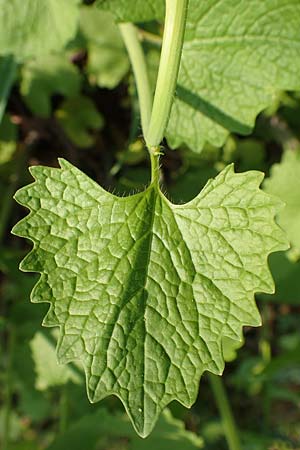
{"type": "Point", "coordinates": [176, 12]}
{"type": "Point", "coordinates": [63, 410]}
{"type": "Point", "coordinates": [8, 69]}
{"type": "Point", "coordinates": [137, 58]}
{"type": "Point", "coordinates": [229, 425]}
{"type": "Point", "coordinates": [153, 39]}
{"type": "Point", "coordinates": [155, 169]}
{"type": "Point", "coordinates": [7, 407]}
{"type": "Point", "coordinates": [7, 199]}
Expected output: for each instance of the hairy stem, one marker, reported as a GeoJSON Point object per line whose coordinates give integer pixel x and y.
{"type": "Point", "coordinates": [155, 170]}
{"type": "Point", "coordinates": [137, 58]}
{"type": "Point", "coordinates": [229, 425]}
{"type": "Point", "coordinates": [176, 11]}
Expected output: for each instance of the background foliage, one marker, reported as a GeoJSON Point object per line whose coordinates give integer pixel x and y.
{"type": "Point", "coordinates": [79, 102]}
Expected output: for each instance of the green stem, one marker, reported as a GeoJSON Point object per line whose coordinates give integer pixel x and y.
{"type": "Point", "coordinates": [150, 37]}
{"type": "Point", "coordinates": [63, 410]}
{"type": "Point", "coordinates": [6, 207]}
{"type": "Point", "coordinates": [155, 170]}
{"type": "Point", "coordinates": [176, 11]}
{"type": "Point", "coordinates": [7, 199]}
{"type": "Point", "coordinates": [8, 390]}
{"type": "Point", "coordinates": [7, 75]}
{"type": "Point", "coordinates": [138, 62]}
{"type": "Point", "coordinates": [229, 425]}
{"type": "Point", "coordinates": [265, 351]}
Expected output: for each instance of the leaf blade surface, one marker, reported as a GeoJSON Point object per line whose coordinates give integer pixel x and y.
{"type": "Point", "coordinates": [134, 10]}
{"type": "Point", "coordinates": [236, 57]}
{"type": "Point", "coordinates": [143, 290]}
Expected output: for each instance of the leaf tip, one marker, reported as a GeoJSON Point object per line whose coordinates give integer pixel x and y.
{"type": "Point", "coordinates": [64, 164]}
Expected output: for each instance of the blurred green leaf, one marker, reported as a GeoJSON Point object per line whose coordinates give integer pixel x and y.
{"type": "Point", "coordinates": [290, 111]}
{"type": "Point", "coordinates": [134, 10]}
{"type": "Point", "coordinates": [257, 441]}
{"type": "Point", "coordinates": [49, 372]}
{"type": "Point", "coordinates": [186, 185]}
{"type": "Point", "coordinates": [103, 431]}
{"type": "Point", "coordinates": [286, 275]}
{"type": "Point", "coordinates": [230, 348]}
{"type": "Point", "coordinates": [132, 180]}
{"type": "Point", "coordinates": [80, 119]}
{"type": "Point", "coordinates": [36, 27]}
{"type": "Point", "coordinates": [284, 182]}
{"type": "Point", "coordinates": [30, 445]}
{"type": "Point", "coordinates": [279, 365]}
{"type": "Point", "coordinates": [46, 76]}
{"type": "Point", "coordinates": [15, 427]}
{"type": "Point", "coordinates": [8, 139]}
{"type": "Point", "coordinates": [33, 403]}
{"type": "Point", "coordinates": [248, 154]}
{"type": "Point", "coordinates": [107, 58]}
{"type": "Point", "coordinates": [252, 154]}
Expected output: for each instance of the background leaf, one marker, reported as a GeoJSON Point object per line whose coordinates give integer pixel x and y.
{"type": "Point", "coordinates": [46, 76]}
{"type": "Point", "coordinates": [230, 348]}
{"type": "Point", "coordinates": [107, 58]}
{"type": "Point", "coordinates": [8, 138]}
{"type": "Point", "coordinates": [49, 372]}
{"type": "Point", "coordinates": [103, 430]}
{"type": "Point", "coordinates": [285, 273]}
{"type": "Point", "coordinates": [36, 27]}
{"type": "Point", "coordinates": [284, 182]}
{"type": "Point", "coordinates": [79, 118]}
{"type": "Point", "coordinates": [134, 10]}
{"type": "Point", "coordinates": [237, 55]}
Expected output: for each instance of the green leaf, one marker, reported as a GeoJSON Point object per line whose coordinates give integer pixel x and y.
{"type": "Point", "coordinates": [134, 10]}
{"type": "Point", "coordinates": [103, 430]}
{"type": "Point", "coordinates": [79, 118]}
{"type": "Point", "coordinates": [237, 55]}
{"type": "Point", "coordinates": [143, 290]}
{"type": "Point", "coordinates": [49, 372]}
{"type": "Point", "coordinates": [15, 425]}
{"type": "Point", "coordinates": [8, 138]}
{"type": "Point", "coordinates": [230, 348]}
{"type": "Point", "coordinates": [36, 27]}
{"type": "Point", "coordinates": [46, 76]}
{"type": "Point", "coordinates": [107, 58]}
{"type": "Point", "coordinates": [189, 183]}
{"type": "Point", "coordinates": [247, 153]}
{"type": "Point", "coordinates": [284, 182]}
